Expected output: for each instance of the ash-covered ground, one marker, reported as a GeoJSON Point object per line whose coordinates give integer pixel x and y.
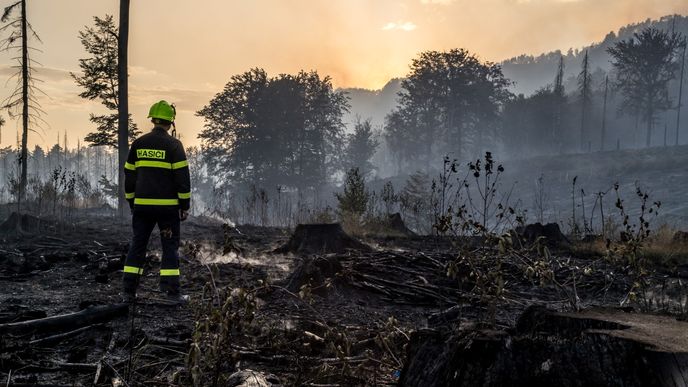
{"type": "Point", "coordinates": [295, 318]}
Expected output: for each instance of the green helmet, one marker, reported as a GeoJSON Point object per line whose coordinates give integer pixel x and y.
{"type": "Point", "coordinates": [162, 110]}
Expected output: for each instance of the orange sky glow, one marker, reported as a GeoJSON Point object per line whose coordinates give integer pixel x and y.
{"type": "Point", "coordinates": [185, 51]}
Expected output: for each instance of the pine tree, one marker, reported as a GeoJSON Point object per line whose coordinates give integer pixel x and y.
{"type": "Point", "coordinates": [24, 95]}
{"type": "Point", "coordinates": [354, 200]}
{"type": "Point", "coordinates": [99, 79]}
{"type": "Point", "coordinates": [585, 90]}
{"type": "Point", "coordinates": [559, 95]}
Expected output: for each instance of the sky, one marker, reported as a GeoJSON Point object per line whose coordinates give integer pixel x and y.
{"type": "Point", "coordinates": [184, 51]}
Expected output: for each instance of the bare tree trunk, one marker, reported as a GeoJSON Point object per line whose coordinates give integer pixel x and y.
{"type": "Point", "coordinates": [650, 117]}
{"type": "Point", "coordinates": [25, 103]}
{"type": "Point", "coordinates": [122, 94]}
{"type": "Point", "coordinates": [680, 92]}
{"type": "Point", "coordinates": [604, 112]}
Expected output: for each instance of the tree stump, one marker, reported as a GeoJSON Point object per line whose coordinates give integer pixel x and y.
{"type": "Point", "coordinates": [314, 272]}
{"type": "Point", "coordinates": [396, 223]}
{"type": "Point", "coordinates": [321, 238]}
{"type": "Point", "coordinates": [391, 225]}
{"type": "Point", "coordinates": [680, 237]}
{"type": "Point", "coordinates": [591, 348]}
{"type": "Point", "coordinates": [550, 232]}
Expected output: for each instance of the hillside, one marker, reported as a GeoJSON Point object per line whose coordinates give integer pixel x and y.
{"type": "Point", "coordinates": [658, 171]}
{"type": "Point", "coordinates": [529, 72]}
{"type": "Point", "coordinates": [373, 104]}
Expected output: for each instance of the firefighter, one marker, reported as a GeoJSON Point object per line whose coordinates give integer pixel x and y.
{"type": "Point", "coordinates": [158, 189]}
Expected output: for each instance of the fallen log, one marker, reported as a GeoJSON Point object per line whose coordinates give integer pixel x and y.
{"type": "Point", "coordinates": [89, 316]}
{"type": "Point", "coordinates": [22, 316]}
{"type": "Point", "coordinates": [59, 337]}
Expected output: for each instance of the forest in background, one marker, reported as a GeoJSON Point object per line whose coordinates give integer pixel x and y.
{"type": "Point", "coordinates": [276, 148]}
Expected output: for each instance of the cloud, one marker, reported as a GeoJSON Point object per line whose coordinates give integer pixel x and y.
{"type": "Point", "coordinates": [440, 2]}
{"type": "Point", "coordinates": [401, 26]}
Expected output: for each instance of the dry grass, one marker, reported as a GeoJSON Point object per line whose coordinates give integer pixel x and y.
{"type": "Point", "coordinates": [664, 250]}
{"type": "Point", "coordinates": [593, 249]}
{"type": "Point", "coordinates": [660, 248]}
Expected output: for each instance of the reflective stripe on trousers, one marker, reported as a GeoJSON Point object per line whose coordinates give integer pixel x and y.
{"type": "Point", "coordinates": [143, 223]}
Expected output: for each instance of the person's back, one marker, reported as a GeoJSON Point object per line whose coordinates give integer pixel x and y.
{"type": "Point", "coordinates": [159, 162]}
{"type": "Point", "coordinates": [157, 187]}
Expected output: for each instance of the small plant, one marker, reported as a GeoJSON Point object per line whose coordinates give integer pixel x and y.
{"type": "Point", "coordinates": [486, 214]}
{"type": "Point", "coordinates": [541, 199]}
{"type": "Point", "coordinates": [213, 353]}
{"type": "Point", "coordinates": [413, 203]}
{"type": "Point", "coordinates": [353, 202]}
{"type": "Point", "coordinates": [633, 238]}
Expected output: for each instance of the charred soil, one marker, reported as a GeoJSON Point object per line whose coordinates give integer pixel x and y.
{"type": "Point", "coordinates": [381, 311]}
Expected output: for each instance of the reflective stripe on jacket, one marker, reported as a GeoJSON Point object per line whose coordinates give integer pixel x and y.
{"type": "Point", "coordinates": [156, 172]}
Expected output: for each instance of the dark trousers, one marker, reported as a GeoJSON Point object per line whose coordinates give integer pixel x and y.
{"type": "Point", "coordinates": [143, 223]}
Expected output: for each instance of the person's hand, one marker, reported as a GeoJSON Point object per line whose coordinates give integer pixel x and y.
{"type": "Point", "coordinates": [183, 215]}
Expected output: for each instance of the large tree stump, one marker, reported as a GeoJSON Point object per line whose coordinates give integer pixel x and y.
{"type": "Point", "coordinates": [321, 238]}
{"type": "Point", "coordinates": [591, 348]}
{"type": "Point", "coordinates": [550, 232]}
{"type": "Point", "coordinates": [391, 225]}
{"type": "Point", "coordinates": [680, 237]}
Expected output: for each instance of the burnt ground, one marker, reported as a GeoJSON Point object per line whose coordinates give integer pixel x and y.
{"type": "Point", "coordinates": [328, 319]}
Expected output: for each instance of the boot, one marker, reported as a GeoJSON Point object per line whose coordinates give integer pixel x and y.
{"type": "Point", "coordinates": [127, 297]}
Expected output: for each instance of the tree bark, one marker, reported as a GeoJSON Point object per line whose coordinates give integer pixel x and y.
{"type": "Point", "coordinates": [122, 94]}
{"type": "Point", "coordinates": [604, 112]}
{"type": "Point", "coordinates": [680, 93]}
{"type": "Point", "coordinates": [52, 324]}
{"type": "Point", "coordinates": [546, 348]}
{"type": "Point", "coordinates": [25, 103]}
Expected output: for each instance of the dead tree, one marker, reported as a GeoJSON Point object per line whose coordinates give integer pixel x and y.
{"type": "Point", "coordinates": [122, 92]}
{"type": "Point", "coordinates": [23, 96]}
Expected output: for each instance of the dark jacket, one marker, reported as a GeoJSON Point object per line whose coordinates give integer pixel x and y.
{"type": "Point", "coordinates": [156, 174]}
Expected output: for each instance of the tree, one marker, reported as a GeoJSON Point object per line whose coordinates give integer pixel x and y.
{"type": "Point", "coordinates": [354, 200]}
{"type": "Point", "coordinates": [684, 43]}
{"type": "Point", "coordinates": [123, 93]}
{"type": "Point", "coordinates": [99, 79]}
{"type": "Point", "coordinates": [360, 148]}
{"type": "Point", "coordinates": [448, 104]}
{"type": "Point", "coordinates": [603, 131]}
{"type": "Point", "coordinates": [644, 65]}
{"type": "Point", "coordinates": [585, 90]}
{"type": "Point", "coordinates": [559, 98]}
{"type": "Point", "coordinates": [23, 96]}
{"type": "Point", "coordinates": [527, 123]}
{"type": "Point", "coordinates": [284, 130]}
